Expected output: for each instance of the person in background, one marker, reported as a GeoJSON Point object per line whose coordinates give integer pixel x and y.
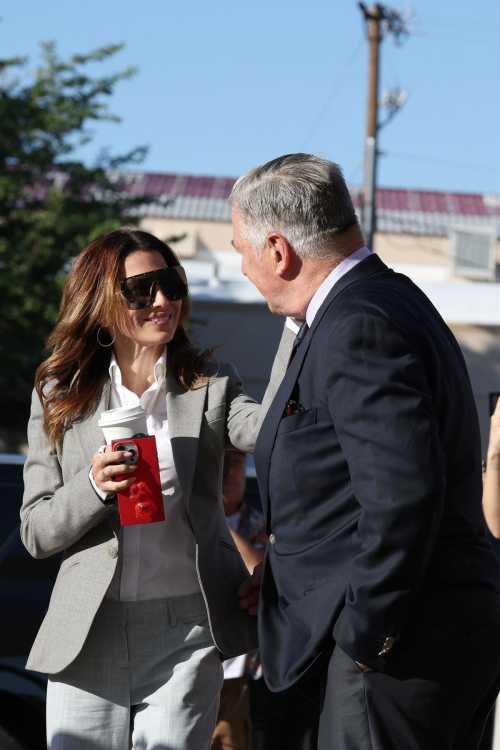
{"type": "Point", "coordinates": [250, 715]}
{"type": "Point", "coordinates": [491, 509]}
{"type": "Point", "coordinates": [247, 526]}
{"type": "Point", "coordinates": [491, 477]}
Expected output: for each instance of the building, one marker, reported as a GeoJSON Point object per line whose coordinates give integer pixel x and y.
{"type": "Point", "coordinates": [447, 243]}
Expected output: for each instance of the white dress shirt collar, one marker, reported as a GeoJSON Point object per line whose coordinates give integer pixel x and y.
{"type": "Point", "coordinates": [159, 370]}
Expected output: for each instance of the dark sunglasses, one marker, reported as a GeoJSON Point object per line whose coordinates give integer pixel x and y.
{"type": "Point", "coordinates": [139, 291]}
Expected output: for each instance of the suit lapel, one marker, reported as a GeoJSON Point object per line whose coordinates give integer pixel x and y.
{"type": "Point", "coordinates": [267, 435]}
{"type": "Point", "coordinates": [184, 413]}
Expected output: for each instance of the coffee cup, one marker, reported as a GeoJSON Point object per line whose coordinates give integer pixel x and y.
{"type": "Point", "coordinates": [123, 422]}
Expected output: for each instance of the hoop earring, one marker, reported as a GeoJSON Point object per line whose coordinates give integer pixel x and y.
{"type": "Point", "coordinates": [100, 342]}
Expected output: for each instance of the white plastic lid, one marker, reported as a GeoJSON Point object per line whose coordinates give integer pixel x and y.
{"type": "Point", "coordinates": [120, 415]}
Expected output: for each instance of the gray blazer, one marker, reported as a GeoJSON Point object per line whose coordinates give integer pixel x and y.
{"type": "Point", "coordinates": [61, 510]}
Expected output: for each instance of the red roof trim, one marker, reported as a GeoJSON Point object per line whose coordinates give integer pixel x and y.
{"type": "Point", "coordinates": [391, 199]}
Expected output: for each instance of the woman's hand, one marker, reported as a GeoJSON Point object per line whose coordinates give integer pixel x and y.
{"type": "Point", "coordinates": [105, 469]}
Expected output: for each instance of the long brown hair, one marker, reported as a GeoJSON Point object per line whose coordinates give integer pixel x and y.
{"type": "Point", "coordinates": [91, 303]}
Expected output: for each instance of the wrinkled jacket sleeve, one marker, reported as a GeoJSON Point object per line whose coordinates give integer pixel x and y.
{"type": "Point", "coordinates": [54, 514]}
{"type": "Point", "coordinates": [244, 416]}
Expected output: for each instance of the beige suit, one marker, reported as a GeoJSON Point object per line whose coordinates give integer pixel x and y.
{"type": "Point", "coordinates": [61, 511]}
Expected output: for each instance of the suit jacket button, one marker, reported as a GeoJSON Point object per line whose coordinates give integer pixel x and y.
{"type": "Point", "coordinates": [388, 644]}
{"type": "Point", "coordinates": [112, 551]}
{"type": "Point", "coordinates": [272, 539]}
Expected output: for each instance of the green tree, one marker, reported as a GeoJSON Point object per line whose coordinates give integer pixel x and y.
{"type": "Point", "coordinates": [51, 203]}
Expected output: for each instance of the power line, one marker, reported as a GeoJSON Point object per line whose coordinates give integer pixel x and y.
{"type": "Point", "coordinates": [354, 172]}
{"type": "Point", "coordinates": [453, 34]}
{"type": "Point", "coordinates": [335, 90]}
{"type": "Point", "coordinates": [446, 162]}
{"type": "Point", "coordinates": [470, 25]}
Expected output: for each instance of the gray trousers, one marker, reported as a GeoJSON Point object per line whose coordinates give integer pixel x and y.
{"type": "Point", "coordinates": [148, 678]}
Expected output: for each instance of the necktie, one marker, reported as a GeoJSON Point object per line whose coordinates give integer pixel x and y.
{"type": "Point", "coordinates": [298, 340]}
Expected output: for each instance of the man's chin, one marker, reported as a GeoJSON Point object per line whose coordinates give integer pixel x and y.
{"type": "Point", "coordinates": [277, 310]}
{"type": "Point", "coordinates": [274, 308]}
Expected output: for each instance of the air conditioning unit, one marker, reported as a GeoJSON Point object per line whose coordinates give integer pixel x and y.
{"type": "Point", "coordinates": [473, 253]}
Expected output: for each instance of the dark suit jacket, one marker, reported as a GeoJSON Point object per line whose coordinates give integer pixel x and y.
{"type": "Point", "coordinates": [373, 493]}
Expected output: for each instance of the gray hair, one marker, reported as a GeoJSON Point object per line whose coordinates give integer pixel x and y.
{"type": "Point", "coordinates": [301, 196]}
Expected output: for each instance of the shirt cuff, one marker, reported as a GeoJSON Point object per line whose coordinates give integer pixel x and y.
{"type": "Point", "coordinates": [104, 496]}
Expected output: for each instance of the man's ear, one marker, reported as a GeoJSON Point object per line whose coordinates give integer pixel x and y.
{"type": "Point", "coordinates": [280, 253]}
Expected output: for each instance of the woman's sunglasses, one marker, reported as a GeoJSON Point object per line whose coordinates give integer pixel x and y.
{"type": "Point", "coordinates": [139, 291]}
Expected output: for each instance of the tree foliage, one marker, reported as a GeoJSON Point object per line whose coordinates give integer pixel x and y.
{"type": "Point", "coordinates": [51, 203]}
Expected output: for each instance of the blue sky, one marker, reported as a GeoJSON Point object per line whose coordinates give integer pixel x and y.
{"type": "Point", "coordinates": [224, 85]}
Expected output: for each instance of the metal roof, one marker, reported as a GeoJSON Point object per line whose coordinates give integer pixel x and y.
{"type": "Point", "coordinates": [405, 211]}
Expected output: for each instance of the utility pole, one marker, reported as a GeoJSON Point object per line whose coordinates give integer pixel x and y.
{"type": "Point", "coordinates": [373, 16]}
{"type": "Point", "coordinates": [380, 20]}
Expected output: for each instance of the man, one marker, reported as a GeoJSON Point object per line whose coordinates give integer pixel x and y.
{"type": "Point", "coordinates": [377, 575]}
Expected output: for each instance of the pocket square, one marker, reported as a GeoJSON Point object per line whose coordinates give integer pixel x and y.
{"type": "Point", "coordinates": [292, 407]}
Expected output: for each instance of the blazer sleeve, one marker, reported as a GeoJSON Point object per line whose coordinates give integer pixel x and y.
{"type": "Point", "coordinates": [381, 406]}
{"type": "Point", "coordinates": [54, 514]}
{"type": "Point", "coordinates": [244, 416]}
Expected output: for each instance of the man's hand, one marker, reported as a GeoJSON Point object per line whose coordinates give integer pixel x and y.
{"type": "Point", "coordinates": [249, 591]}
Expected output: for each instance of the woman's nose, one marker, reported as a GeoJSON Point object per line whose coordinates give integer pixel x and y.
{"type": "Point", "coordinates": [158, 297]}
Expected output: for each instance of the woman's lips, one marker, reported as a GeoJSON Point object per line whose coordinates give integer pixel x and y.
{"type": "Point", "coordinates": [160, 322]}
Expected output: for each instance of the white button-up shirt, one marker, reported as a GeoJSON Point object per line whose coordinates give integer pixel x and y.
{"type": "Point", "coordinates": [157, 560]}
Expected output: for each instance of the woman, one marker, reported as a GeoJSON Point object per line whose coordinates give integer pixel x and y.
{"type": "Point", "coordinates": [491, 478]}
{"type": "Point", "coordinates": [139, 615]}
